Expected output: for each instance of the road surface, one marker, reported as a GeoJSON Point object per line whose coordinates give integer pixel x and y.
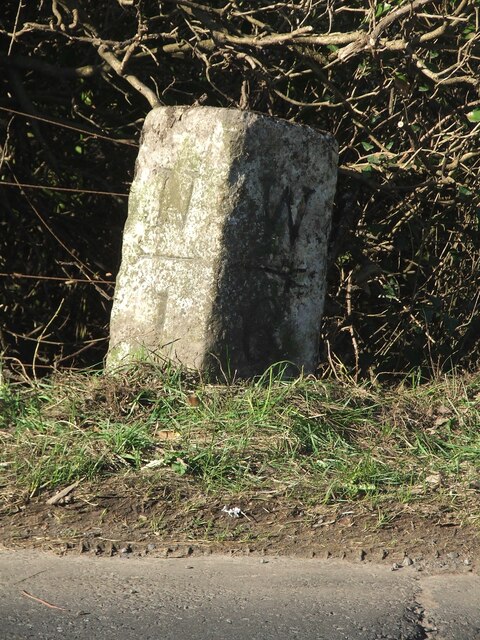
{"type": "Point", "coordinates": [45, 597]}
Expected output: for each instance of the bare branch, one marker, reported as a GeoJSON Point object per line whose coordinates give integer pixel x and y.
{"type": "Point", "coordinates": [139, 86]}
{"type": "Point", "coordinates": [36, 64]}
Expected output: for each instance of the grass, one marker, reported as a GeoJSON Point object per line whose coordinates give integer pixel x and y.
{"type": "Point", "coordinates": [326, 441]}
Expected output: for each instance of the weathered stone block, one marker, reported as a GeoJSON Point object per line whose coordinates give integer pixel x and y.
{"type": "Point", "coordinates": [225, 246]}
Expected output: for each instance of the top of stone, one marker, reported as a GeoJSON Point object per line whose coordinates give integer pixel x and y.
{"type": "Point", "coordinates": [241, 114]}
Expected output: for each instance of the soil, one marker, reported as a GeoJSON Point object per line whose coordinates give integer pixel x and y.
{"type": "Point", "coordinates": [134, 515]}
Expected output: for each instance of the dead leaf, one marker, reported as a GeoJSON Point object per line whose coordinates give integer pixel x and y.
{"type": "Point", "coordinates": [193, 400]}
{"type": "Point", "coordinates": [153, 464]}
{"type": "Point", "coordinates": [167, 434]}
{"type": "Point", "coordinates": [435, 479]}
{"type": "Point", "coordinates": [63, 493]}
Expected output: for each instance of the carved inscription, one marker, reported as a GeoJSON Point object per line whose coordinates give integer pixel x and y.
{"type": "Point", "coordinates": [175, 195]}
{"type": "Point", "coordinates": [285, 213]}
{"type": "Point", "coordinates": [295, 208]}
{"type": "Point", "coordinates": [161, 300]}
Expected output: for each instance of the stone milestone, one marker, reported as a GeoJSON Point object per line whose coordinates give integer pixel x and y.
{"type": "Point", "coordinates": [225, 245]}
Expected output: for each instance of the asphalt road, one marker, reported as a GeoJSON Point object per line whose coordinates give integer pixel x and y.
{"type": "Point", "coordinates": [220, 598]}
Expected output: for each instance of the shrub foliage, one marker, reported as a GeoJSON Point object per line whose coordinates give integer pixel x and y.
{"type": "Point", "coordinates": [396, 82]}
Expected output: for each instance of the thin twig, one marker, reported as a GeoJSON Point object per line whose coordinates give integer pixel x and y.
{"type": "Point", "coordinates": [44, 187]}
{"type": "Point", "coordinates": [47, 604]}
{"type": "Point", "coordinates": [63, 125]}
{"type": "Point", "coordinates": [44, 331]}
{"type": "Point", "coordinates": [14, 32]}
{"type": "Point", "coordinates": [55, 278]}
